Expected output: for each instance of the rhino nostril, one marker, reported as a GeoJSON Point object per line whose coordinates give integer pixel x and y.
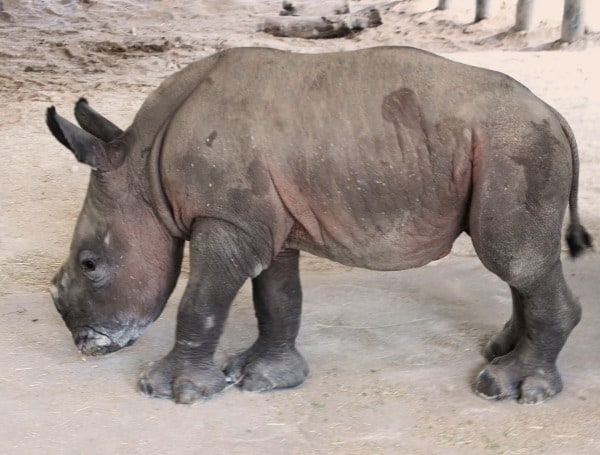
{"type": "Point", "coordinates": [81, 338]}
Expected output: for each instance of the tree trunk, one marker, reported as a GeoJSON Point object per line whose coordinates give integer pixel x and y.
{"type": "Point", "coordinates": [524, 17]}
{"type": "Point", "coordinates": [444, 4]}
{"type": "Point", "coordinates": [482, 10]}
{"type": "Point", "coordinates": [573, 24]}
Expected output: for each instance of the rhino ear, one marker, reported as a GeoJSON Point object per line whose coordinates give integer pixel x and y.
{"type": "Point", "coordinates": [94, 123]}
{"type": "Point", "coordinates": [87, 148]}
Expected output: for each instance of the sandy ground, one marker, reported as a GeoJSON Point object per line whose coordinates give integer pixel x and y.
{"type": "Point", "coordinates": [393, 355]}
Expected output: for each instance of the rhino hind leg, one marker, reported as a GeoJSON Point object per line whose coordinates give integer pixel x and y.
{"type": "Point", "coordinates": [523, 355]}
{"type": "Point", "coordinates": [516, 231]}
{"type": "Point", "coordinates": [273, 361]}
{"type": "Point", "coordinates": [505, 340]}
{"type": "Point", "coordinates": [524, 367]}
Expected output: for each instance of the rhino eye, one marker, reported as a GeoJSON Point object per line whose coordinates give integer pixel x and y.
{"type": "Point", "coordinates": [89, 265]}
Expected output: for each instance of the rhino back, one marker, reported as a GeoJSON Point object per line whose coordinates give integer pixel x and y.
{"type": "Point", "coordinates": [366, 155]}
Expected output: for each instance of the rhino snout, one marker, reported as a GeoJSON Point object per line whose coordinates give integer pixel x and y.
{"type": "Point", "coordinates": [93, 342]}
{"type": "Point", "coordinates": [86, 336]}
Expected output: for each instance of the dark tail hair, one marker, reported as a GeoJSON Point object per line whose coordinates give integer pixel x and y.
{"type": "Point", "coordinates": [577, 237]}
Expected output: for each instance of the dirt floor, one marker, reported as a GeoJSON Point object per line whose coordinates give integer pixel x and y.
{"type": "Point", "coordinates": [393, 356]}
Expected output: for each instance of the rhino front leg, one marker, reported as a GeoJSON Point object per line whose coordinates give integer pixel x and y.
{"type": "Point", "coordinates": [273, 361]}
{"type": "Point", "coordinates": [221, 258]}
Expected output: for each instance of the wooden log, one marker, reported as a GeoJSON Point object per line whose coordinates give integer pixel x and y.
{"type": "Point", "coordinates": [322, 27]}
{"type": "Point", "coordinates": [314, 8]}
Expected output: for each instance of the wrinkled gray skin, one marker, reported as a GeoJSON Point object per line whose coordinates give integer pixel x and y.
{"type": "Point", "coordinates": [378, 158]}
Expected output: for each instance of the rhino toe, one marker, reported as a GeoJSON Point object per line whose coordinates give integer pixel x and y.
{"type": "Point", "coordinates": [154, 382]}
{"type": "Point", "coordinates": [488, 387]}
{"type": "Point", "coordinates": [188, 391]}
{"type": "Point", "coordinates": [537, 389]}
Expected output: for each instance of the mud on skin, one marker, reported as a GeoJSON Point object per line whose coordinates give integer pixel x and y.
{"type": "Point", "coordinates": [376, 169]}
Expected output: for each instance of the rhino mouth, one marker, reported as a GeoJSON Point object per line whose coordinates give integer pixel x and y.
{"type": "Point", "coordinates": [91, 341]}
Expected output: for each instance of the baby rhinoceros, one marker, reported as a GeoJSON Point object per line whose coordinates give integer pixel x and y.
{"type": "Point", "coordinates": [377, 158]}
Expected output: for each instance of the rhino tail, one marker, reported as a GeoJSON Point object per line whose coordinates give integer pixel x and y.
{"type": "Point", "coordinates": [578, 239]}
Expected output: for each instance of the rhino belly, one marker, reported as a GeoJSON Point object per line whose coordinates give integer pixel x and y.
{"type": "Point", "coordinates": [385, 203]}
{"type": "Point", "coordinates": [394, 241]}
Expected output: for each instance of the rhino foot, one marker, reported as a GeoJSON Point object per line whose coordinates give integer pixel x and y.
{"type": "Point", "coordinates": [180, 381]}
{"type": "Point", "coordinates": [506, 378]}
{"type": "Point", "coordinates": [258, 370]}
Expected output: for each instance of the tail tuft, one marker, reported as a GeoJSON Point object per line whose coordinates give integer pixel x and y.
{"type": "Point", "coordinates": [578, 239]}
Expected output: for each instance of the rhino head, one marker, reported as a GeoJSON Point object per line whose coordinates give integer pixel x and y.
{"type": "Point", "coordinates": [123, 262]}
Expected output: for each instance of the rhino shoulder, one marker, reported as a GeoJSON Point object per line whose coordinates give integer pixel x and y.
{"type": "Point", "coordinates": [163, 102]}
